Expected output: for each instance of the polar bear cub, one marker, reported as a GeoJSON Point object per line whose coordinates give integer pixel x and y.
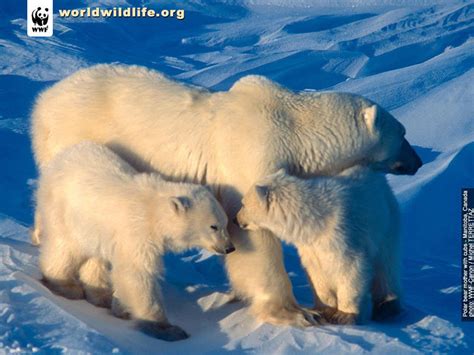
{"type": "Point", "coordinates": [95, 205]}
{"type": "Point", "coordinates": [346, 231]}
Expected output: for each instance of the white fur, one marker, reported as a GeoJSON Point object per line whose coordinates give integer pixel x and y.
{"type": "Point", "coordinates": [345, 229]}
{"type": "Point", "coordinates": [226, 140]}
{"type": "Point", "coordinates": [96, 209]}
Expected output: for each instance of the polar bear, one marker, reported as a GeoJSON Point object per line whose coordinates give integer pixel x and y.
{"type": "Point", "coordinates": [95, 205]}
{"type": "Point", "coordinates": [345, 229]}
{"type": "Point", "coordinates": [227, 140]}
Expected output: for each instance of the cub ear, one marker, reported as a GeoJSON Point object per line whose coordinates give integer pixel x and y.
{"type": "Point", "coordinates": [263, 193]}
{"type": "Point", "coordinates": [370, 117]}
{"type": "Point", "coordinates": [180, 204]}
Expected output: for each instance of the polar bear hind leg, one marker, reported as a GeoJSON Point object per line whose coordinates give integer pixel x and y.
{"type": "Point", "coordinates": [60, 266]}
{"type": "Point", "coordinates": [386, 292]}
{"type": "Point", "coordinates": [95, 279]}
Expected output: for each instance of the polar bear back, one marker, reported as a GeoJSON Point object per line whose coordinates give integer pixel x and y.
{"type": "Point", "coordinates": [88, 195]}
{"type": "Point", "coordinates": [226, 140]}
{"type": "Point", "coordinates": [357, 206]}
{"type": "Point", "coordinates": [93, 103]}
{"type": "Point", "coordinates": [366, 207]}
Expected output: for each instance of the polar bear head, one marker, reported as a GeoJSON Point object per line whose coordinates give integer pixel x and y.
{"type": "Point", "coordinates": [284, 205]}
{"type": "Point", "coordinates": [195, 219]}
{"type": "Point", "coordinates": [389, 150]}
{"type": "Point", "coordinates": [355, 131]}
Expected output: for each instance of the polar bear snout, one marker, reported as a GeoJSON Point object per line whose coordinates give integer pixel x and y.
{"type": "Point", "coordinates": [224, 246]}
{"type": "Point", "coordinates": [243, 225]}
{"type": "Point", "coordinates": [230, 249]}
{"type": "Point", "coordinates": [241, 220]}
{"type": "Point", "coordinates": [408, 161]}
{"type": "Point", "coordinates": [240, 224]}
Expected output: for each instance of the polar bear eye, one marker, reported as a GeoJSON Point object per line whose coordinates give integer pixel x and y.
{"type": "Point", "coordinates": [214, 227]}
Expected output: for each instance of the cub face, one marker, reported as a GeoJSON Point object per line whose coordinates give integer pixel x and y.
{"type": "Point", "coordinates": [199, 221]}
{"type": "Point", "coordinates": [259, 208]}
{"type": "Point", "coordinates": [254, 209]}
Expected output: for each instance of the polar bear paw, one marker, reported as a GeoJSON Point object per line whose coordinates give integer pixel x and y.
{"type": "Point", "coordinates": [312, 318]}
{"type": "Point", "coordinates": [68, 289]}
{"type": "Point", "coordinates": [335, 316]}
{"type": "Point", "coordinates": [293, 316]}
{"type": "Point", "coordinates": [118, 310]}
{"type": "Point", "coordinates": [166, 332]}
{"type": "Point", "coordinates": [99, 297]}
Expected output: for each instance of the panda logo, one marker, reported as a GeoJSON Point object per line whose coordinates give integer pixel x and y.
{"type": "Point", "coordinates": [40, 17]}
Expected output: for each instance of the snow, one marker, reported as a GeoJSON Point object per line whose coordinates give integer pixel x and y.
{"type": "Point", "coordinates": [413, 57]}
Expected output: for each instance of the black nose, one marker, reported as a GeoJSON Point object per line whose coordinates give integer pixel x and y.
{"type": "Point", "coordinates": [229, 250]}
{"type": "Point", "coordinates": [235, 221]}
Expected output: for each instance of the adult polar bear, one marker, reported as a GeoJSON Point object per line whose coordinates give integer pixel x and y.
{"type": "Point", "coordinates": [227, 140]}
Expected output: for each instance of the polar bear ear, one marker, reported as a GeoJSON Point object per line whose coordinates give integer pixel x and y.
{"type": "Point", "coordinates": [263, 193]}
{"type": "Point", "coordinates": [180, 204]}
{"type": "Point", "coordinates": [370, 117]}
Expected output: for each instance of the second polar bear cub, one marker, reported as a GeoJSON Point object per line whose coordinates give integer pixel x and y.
{"type": "Point", "coordinates": [346, 230]}
{"type": "Point", "coordinates": [95, 205]}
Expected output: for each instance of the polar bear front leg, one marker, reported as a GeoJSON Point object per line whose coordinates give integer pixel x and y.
{"type": "Point", "coordinates": [321, 282]}
{"type": "Point", "coordinates": [258, 275]}
{"type": "Point", "coordinates": [136, 287]}
{"type": "Point", "coordinates": [354, 297]}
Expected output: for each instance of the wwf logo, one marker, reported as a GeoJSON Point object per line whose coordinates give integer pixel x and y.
{"type": "Point", "coordinates": [40, 17]}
